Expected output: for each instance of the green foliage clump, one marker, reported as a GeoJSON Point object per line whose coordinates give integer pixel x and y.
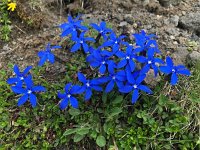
{"type": "Point", "coordinates": [162, 121]}
{"type": "Point", "coordinates": [5, 28]}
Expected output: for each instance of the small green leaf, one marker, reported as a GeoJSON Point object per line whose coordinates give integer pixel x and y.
{"type": "Point", "coordinates": [115, 111]}
{"type": "Point", "coordinates": [118, 99]}
{"type": "Point", "coordinates": [78, 137]}
{"type": "Point", "coordinates": [104, 97]}
{"type": "Point", "coordinates": [163, 100]}
{"type": "Point", "coordinates": [101, 141]}
{"type": "Point", "coordinates": [74, 112]}
{"type": "Point", "coordinates": [69, 131]}
{"type": "Point", "coordinates": [83, 131]}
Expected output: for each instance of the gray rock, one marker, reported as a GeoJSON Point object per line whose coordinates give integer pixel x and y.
{"type": "Point", "coordinates": [180, 55]}
{"type": "Point", "coordinates": [191, 22]}
{"type": "Point", "coordinates": [167, 3]}
{"type": "Point", "coordinates": [123, 23]}
{"type": "Point", "coordinates": [193, 57]}
{"type": "Point", "coordinates": [174, 20]}
{"type": "Point", "coordinates": [151, 80]}
{"type": "Point", "coordinates": [173, 31]}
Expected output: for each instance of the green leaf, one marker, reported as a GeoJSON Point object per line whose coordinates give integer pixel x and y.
{"type": "Point", "coordinates": [78, 137]}
{"type": "Point", "coordinates": [83, 131]}
{"type": "Point", "coordinates": [163, 100]}
{"type": "Point", "coordinates": [101, 141]}
{"type": "Point", "coordinates": [93, 134]}
{"type": "Point", "coordinates": [74, 112]}
{"type": "Point", "coordinates": [118, 99]}
{"type": "Point", "coordinates": [69, 131]}
{"type": "Point", "coordinates": [115, 111]}
{"type": "Point", "coordinates": [104, 97]}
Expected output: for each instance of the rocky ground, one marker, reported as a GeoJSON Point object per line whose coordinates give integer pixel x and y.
{"type": "Point", "coordinates": [177, 25]}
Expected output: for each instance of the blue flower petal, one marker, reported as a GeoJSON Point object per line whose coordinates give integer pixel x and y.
{"type": "Point", "coordinates": [73, 102]}
{"type": "Point", "coordinates": [67, 87]}
{"type": "Point", "coordinates": [132, 65]}
{"type": "Point", "coordinates": [102, 69]}
{"type": "Point", "coordinates": [88, 94]}
{"type": "Point", "coordinates": [165, 69]}
{"type": "Point", "coordinates": [135, 96]}
{"type": "Point", "coordinates": [42, 60]}
{"type": "Point", "coordinates": [120, 54]}
{"type": "Point", "coordinates": [184, 72]}
{"type": "Point", "coordinates": [33, 100]}
{"type": "Point", "coordinates": [169, 62]}
{"type": "Point", "coordinates": [27, 70]}
{"type": "Point", "coordinates": [122, 63]}
{"type": "Point", "coordinates": [145, 69]}
{"type": "Point", "coordinates": [126, 89]}
{"type": "Point", "coordinates": [12, 80]}
{"type": "Point", "coordinates": [29, 82]}
{"type": "Point", "coordinates": [130, 77]}
{"type": "Point", "coordinates": [140, 79]}
{"type": "Point", "coordinates": [64, 103]}
{"type": "Point", "coordinates": [75, 47]}
{"type": "Point", "coordinates": [16, 70]}
{"type": "Point", "coordinates": [61, 96]}
{"type": "Point", "coordinates": [174, 79]}
{"type": "Point", "coordinates": [95, 26]}
{"type": "Point", "coordinates": [81, 77]}
{"type": "Point", "coordinates": [76, 89]}
{"type": "Point", "coordinates": [22, 100]}
{"type": "Point", "coordinates": [51, 58]}
{"type": "Point", "coordinates": [85, 47]}
{"type": "Point", "coordinates": [110, 86]}
{"type": "Point", "coordinates": [97, 88]}
{"type": "Point", "coordinates": [145, 89]}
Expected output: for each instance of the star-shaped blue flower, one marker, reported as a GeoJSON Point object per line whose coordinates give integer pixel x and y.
{"type": "Point", "coordinates": [99, 58]}
{"type": "Point", "coordinates": [47, 55]}
{"type": "Point", "coordinates": [151, 62]}
{"type": "Point", "coordinates": [102, 29]}
{"type": "Point", "coordinates": [115, 42]}
{"type": "Point", "coordinates": [144, 42]}
{"type": "Point", "coordinates": [28, 92]}
{"type": "Point", "coordinates": [68, 96]}
{"type": "Point", "coordinates": [88, 86]}
{"type": "Point", "coordinates": [72, 27]}
{"type": "Point", "coordinates": [113, 77]}
{"type": "Point", "coordinates": [173, 71]}
{"type": "Point", "coordinates": [20, 76]}
{"type": "Point", "coordinates": [135, 85]}
{"type": "Point", "coordinates": [81, 41]}
{"type": "Point", "coordinates": [128, 59]}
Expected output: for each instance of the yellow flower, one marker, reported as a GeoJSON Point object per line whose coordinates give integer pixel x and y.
{"type": "Point", "coordinates": [12, 6]}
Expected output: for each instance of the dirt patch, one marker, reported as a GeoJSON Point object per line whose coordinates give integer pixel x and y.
{"type": "Point", "coordinates": [35, 24]}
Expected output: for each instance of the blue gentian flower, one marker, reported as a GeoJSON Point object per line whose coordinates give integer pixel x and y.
{"type": "Point", "coordinates": [28, 91]}
{"type": "Point", "coordinates": [115, 42]}
{"type": "Point", "coordinates": [99, 58]}
{"type": "Point", "coordinates": [135, 85]}
{"type": "Point", "coordinates": [88, 86]}
{"type": "Point", "coordinates": [68, 96]}
{"type": "Point", "coordinates": [151, 62]}
{"type": "Point", "coordinates": [142, 38]}
{"type": "Point", "coordinates": [113, 77]}
{"type": "Point", "coordinates": [128, 59]}
{"type": "Point", "coordinates": [72, 27]}
{"type": "Point", "coordinates": [102, 29]}
{"type": "Point", "coordinates": [20, 76]}
{"type": "Point", "coordinates": [144, 42]}
{"type": "Point", "coordinates": [173, 71]}
{"type": "Point", "coordinates": [81, 41]}
{"type": "Point", "coordinates": [47, 55]}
